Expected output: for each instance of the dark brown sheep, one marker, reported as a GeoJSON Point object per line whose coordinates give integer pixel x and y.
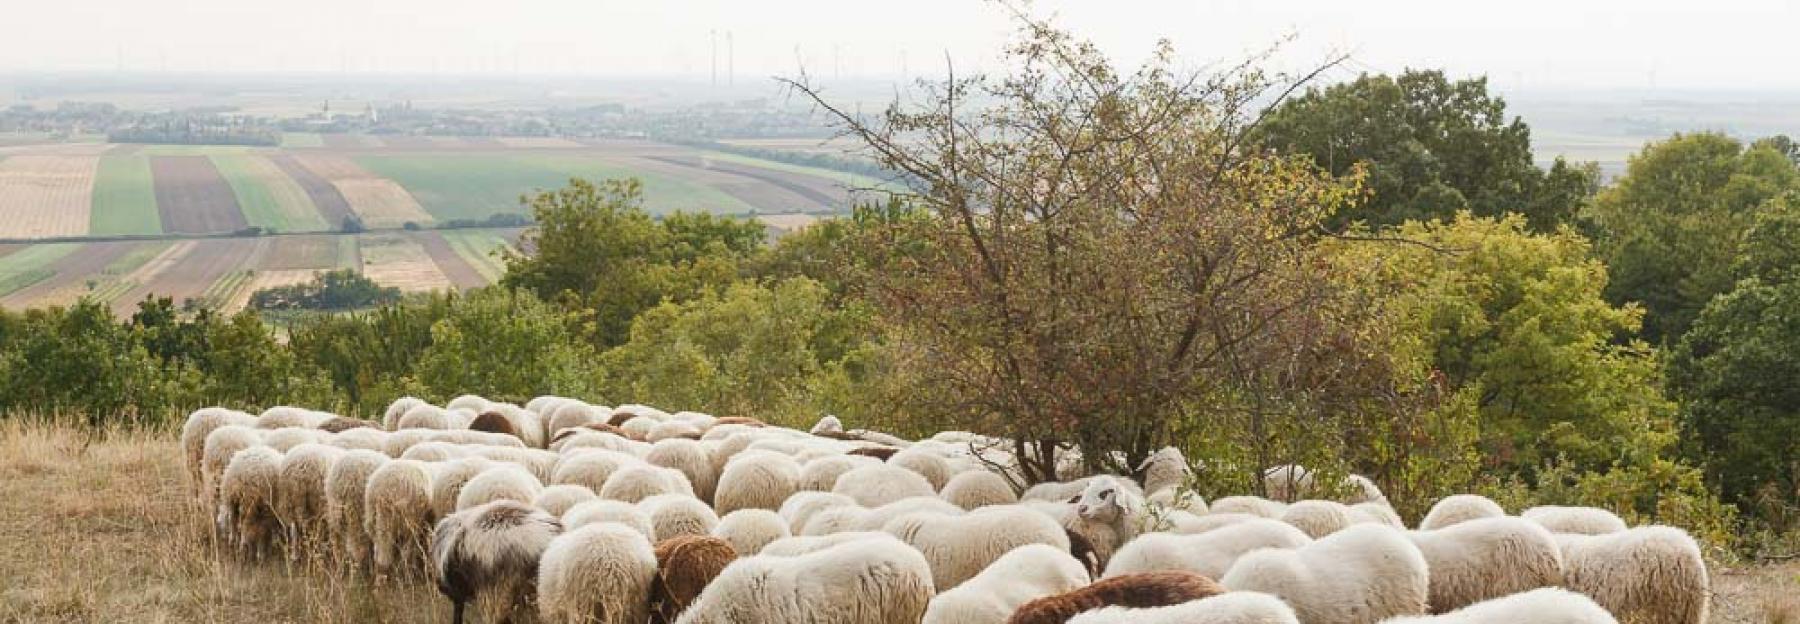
{"type": "Point", "coordinates": [337, 424]}
{"type": "Point", "coordinates": [685, 564]}
{"type": "Point", "coordinates": [1083, 550]}
{"type": "Point", "coordinates": [878, 452]}
{"type": "Point", "coordinates": [619, 417]}
{"type": "Point", "coordinates": [494, 422]}
{"type": "Point", "coordinates": [1138, 591]}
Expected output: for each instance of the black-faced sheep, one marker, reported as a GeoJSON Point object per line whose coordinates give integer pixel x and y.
{"type": "Point", "coordinates": [489, 555]}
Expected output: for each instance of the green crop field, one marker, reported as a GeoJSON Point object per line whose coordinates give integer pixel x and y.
{"type": "Point", "coordinates": [31, 265]}
{"type": "Point", "coordinates": [124, 198]}
{"type": "Point", "coordinates": [843, 177]}
{"type": "Point", "coordinates": [474, 186]}
{"type": "Point", "coordinates": [477, 248]}
{"type": "Point", "coordinates": [269, 198]}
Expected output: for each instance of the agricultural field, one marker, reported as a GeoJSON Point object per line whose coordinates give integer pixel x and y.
{"type": "Point", "coordinates": [119, 222]}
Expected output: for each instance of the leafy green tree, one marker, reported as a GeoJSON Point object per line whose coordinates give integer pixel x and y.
{"type": "Point", "coordinates": [371, 357]}
{"type": "Point", "coordinates": [245, 366]}
{"type": "Point", "coordinates": [1670, 230]}
{"type": "Point", "coordinates": [341, 289]}
{"type": "Point", "coordinates": [78, 361]}
{"type": "Point", "coordinates": [752, 350]}
{"type": "Point", "coordinates": [1735, 372]}
{"type": "Point", "coordinates": [506, 345]}
{"type": "Point", "coordinates": [1429, 147]}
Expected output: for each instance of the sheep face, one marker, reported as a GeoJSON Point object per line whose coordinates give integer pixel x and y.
{"type": "Point", "coordinates": [1105, 501]}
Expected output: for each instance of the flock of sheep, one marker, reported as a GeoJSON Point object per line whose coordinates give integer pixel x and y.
{"type": "Point", "coordinates": [569, 512]}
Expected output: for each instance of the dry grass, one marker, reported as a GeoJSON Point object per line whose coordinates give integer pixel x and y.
{"type": "Point", "coordinates": [101, 528]}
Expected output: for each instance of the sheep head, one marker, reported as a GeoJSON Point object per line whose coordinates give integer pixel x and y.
{"type": "Point", "coordinates": [1106, 500]}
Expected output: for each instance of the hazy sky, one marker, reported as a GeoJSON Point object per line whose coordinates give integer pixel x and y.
{"type": "Point", "coordinates": [1711, 44]}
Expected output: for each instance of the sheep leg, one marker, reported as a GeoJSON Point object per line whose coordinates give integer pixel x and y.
{"type": "Point", "coordinates": [456, 612]}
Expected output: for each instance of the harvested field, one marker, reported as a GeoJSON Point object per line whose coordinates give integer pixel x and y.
{"type": "Point", "coordinates": [303, 252]}
{"type": "Point", "coordinates": [269, 198]}
{"type": "Point", "coordinates": [537, 142]}
{"type": "Point", "coordinates": [399, 261]}
{"type": "Point", "coordinates": [190, 275]}
{"type": "Point", "coordinates": [326, 200]}
{"type": "Point", "coordinates": [379, 201]}
{"type": "Point", "coordinates": [454, 267]}
{"type": "Point", "coordinates": [74, 274]}
{"type": "Point", "coordinates": [124, 200]}
{"type": "Point", "coordinates": [145, 273]}
{"type": "Point", "coordinates": [42, 196]}
{"type": "Point", "coordinates": [193, 198]}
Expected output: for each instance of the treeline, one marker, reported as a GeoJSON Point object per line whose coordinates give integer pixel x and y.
{"type": "Point", "coordinates": [185, 131]}
{"type": "Point", "coordinates": [1375, 278]}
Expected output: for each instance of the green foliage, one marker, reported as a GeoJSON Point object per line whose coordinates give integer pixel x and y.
{"type": "Point", "coordinates": [505, 345]}
{"type": "Point", "coordinates": [1672, 227]}
{"type": "Point", "coordinates": [1430, 147]}
{"type": "Point", "coordinates": [1735, 372]}
{"type": "Point", "coordinates": [753, 350]}
{"type": "Point", "coordinates": [341, 289]}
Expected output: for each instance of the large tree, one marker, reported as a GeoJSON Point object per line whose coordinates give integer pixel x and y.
{"type": "Point", "coordinates": [1670, 230]}
{"type": "Point", "coordinates": [1430, 147]}
{"type": "Point", "coordinates": [1099, 258]}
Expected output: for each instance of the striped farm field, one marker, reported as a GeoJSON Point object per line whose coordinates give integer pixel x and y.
{"type": "Point", "coordinates": [43, 196]}
{"type": "Point", "coordinates": [74, 274]}
{"type": "Point", "coordinates": [146, 273]}
{"type": "Point", "coordinates": [399, 261]}
{"type": "Point", "coordinates": [31, 265]}
{"type": "Point", "coordinates": [124, 197]}
{"type": "Point", "coordinates": [192, 273]}
{"type": "Point", "coordinates": [478, 247]}
{"type": "Point", "coordinates": [380, 202]}
{"type": "Point", "coordinates": [269, 198]}
{"type": "Point", "coordinates": [478, 185]}
{"type": "Point", "coordinates": [193, 198]}
{"type": "Point", "coordinates": [453, 265]}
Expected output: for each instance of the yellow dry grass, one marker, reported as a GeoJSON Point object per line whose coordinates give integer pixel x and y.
{"type": "Point", "coordinates": [379, 201]}
{"type": "Point", "coordinates": [101, 527]}
{"type": "Point", "coordinates": [399, 261]}
{"type": "Point", "coordinates": [43, 195]}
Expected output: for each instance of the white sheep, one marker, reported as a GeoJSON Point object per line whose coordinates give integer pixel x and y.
{"type": "Point", "coordinates": [364, 438]}
{"type": "Point", "coordinates": [1251, 505]}
{"type": "Point", "coordinates": [1378, 512]}
{"type": "Point", "coordinates": [1359, 575]}
{"type": "Point", "coordinates": [1208, 554]}
{"type": "Point", "coordinates": [1193, 525]}
{"type": "Point", "coordinates": [198, 426]}
{"type": "Point", "coordinates": [1238, 607]}
{"type": "Point", "coordinates": [880, 484]}
{"type": "Point", "coordinates": [1288, 482]}
{"type": "Point", "coordinates": [1109, 502]}
{"type": "Point", "coordinates": [1459, 508]}
{"type": "Point", "coordinates": [1647, 575]}
{"type": "Point", "coordinates": [571, 414]}
{"type": "Point", "coordinates": [489, 555]}
{"type": "Point", "coordinates": [472, 402]}
{"type": "Point", "coordinates": [284, 417]}
{"type": "Point", "coordinates": [596, 574]}
{"type": "Point", "coordinates": [543, 403]}
{"type": "Point", "coordinates": [1319, 518]}
{"type": "Point", "coordinates": [748, 530]}
{"type": "Point", "coordinates": [958, 547]}
{"type": "Point", "coordinates": [215, 455]}
{"type": "Point", "coordinates": [820, 475]}
{"type": "Point", "coordinates": [427, 416]}
{"type": "Point", "coordinates": [1066, 491]}
{"type": "Point", "coordinates": [390, 419]}
{"type": "Point", "coordinates": [345, 514]}
{"type": "Point", "coordinates": [929, 464]}
{"type": "Point", "coordinates": [802, 544]}
{"type": "Point", "coordinates": [689, 457]}
{"type": "Point", "coordinates": [672, 429]}
{"type": "Point", "coordinates": [1549, 605]}
{"type": "Point", "coordinates": [868, 581]}
{"type": "Point", "coordinates": [978, 488]}
{"type": "Point", "coordinates": [678, 514]}
{"type": "Point", "coordinates": [1487, 558]}
{"type": "Point", "coordinates": [399, 515]}
{"type": "Point", "coordinates": [1164, 471]}
{"type": "Point", "coordinates": [858, 518]}
{"type": "Point", "coordinates": [638, 482]}
{"type": "Point", "coordinates": [300, 495]}
{"type": "Point", "coordinates": [609, 511]}
{"type": "Point", "coordinates": [798, 509]}
{"type": "Point", "coordinates": [448, 479]}
{"type": "Point", "coordinates": [557, 499]}
{"type": "Point", "coordinates": [501, 482]}
{"type": "Point", "coordinates": [590, 468]}
{"type": "Point", "coordinates": [541, 463]}
{"type": "Point", "coordinates": [247, 500]}
{"type": "Point", "coordinates": [1021, 575]}
{"type": "Point", "coordinates": [1579, 520]}
{"type": "Point", "coordinates": [286, 438]}
{"type": "Point", "coordinates": [756, 480]}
